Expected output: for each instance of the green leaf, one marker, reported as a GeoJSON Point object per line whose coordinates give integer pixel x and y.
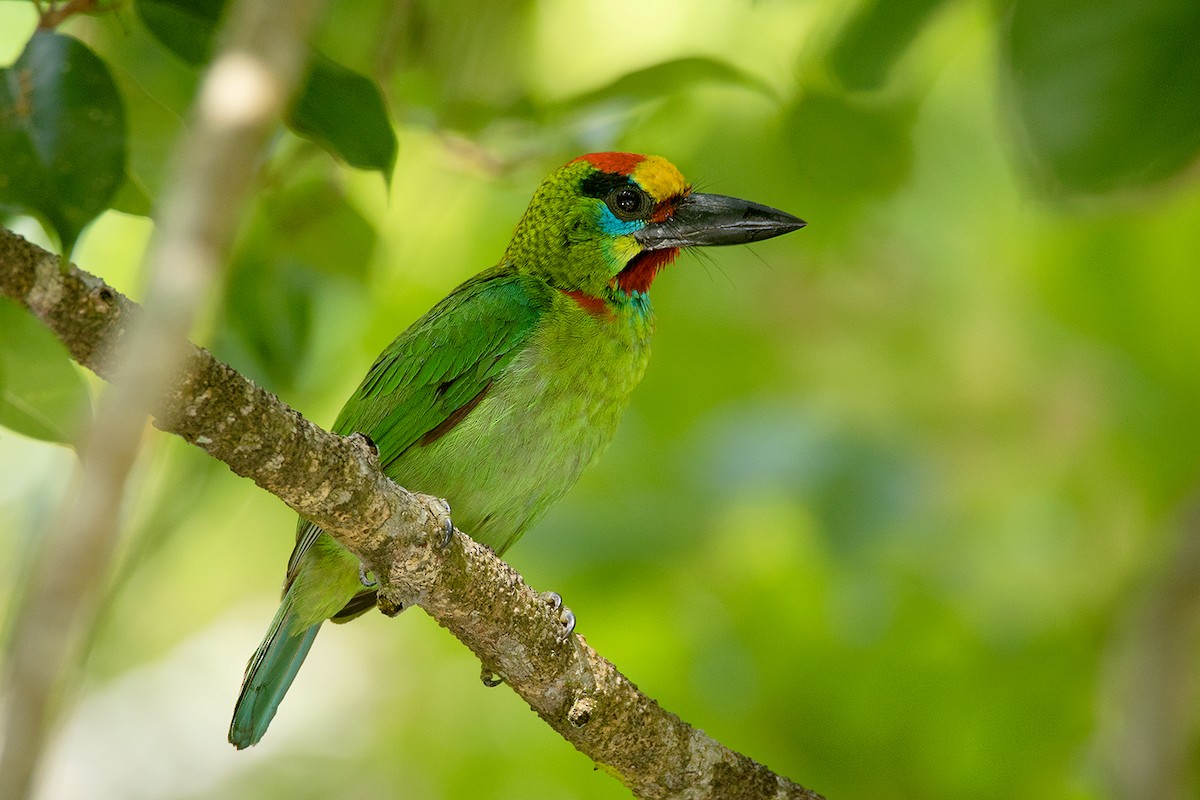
{"type": "Point", "coordinates": [186, 27]}
{"type": "Point", "coordinates": [62, 133]}
{"type": "Point", "coordinates": [343, 111]}
{"type": "Point", "coordinates": [875, 38]}
{"type": "Point", "coordinates": [668, 76]}
{"type": "Point", "coordinates": [154, 129]}
{"type": "Point", "coordinates": [1105, 93]}
{"type": "Point", "coordinates": [132, 198]}
{"type": "Point", "coordinates": [42, 395]}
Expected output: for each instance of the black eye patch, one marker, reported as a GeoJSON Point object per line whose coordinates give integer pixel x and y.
{"type": "Point", "coordinates": [601, 184]}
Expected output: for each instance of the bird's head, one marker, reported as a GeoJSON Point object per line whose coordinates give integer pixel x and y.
{"type": "Point", "coordinates": [606, 223]}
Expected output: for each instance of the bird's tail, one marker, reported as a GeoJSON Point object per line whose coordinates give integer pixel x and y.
{"type": "Point", "coordinates": [270, 672]}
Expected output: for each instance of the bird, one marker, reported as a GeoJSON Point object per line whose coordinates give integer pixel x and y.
{"type": "Point", "coordinates": [508, 388]}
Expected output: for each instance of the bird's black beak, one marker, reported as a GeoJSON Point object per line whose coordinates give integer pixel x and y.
{"type": "Point", "coordinates": [712, 219]}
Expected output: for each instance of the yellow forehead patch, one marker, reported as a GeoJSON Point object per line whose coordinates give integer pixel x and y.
{"type": "Point", "coordinates": [660, 178]}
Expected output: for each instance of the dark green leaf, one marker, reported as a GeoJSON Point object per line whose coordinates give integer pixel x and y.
{"type": "Point", "coordinates": [1106, 92]}
{"type": "Point", "coordinates": [875, 38]}
{"type": "Point", "coordinates": [343, 111]}
{"type": "Point", "coordinates": [42, 395]}
{"type": "Point", "coordinates": [186, 27]}
{"type": "Point", "coordinates": [62, 133]}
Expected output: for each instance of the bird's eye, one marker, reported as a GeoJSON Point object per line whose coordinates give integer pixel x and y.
{"type": "Point", "coordinates": [629, 203]}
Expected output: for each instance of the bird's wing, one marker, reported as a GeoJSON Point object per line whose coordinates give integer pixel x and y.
{"type": "Point", "coordinates": [434, 373]}
{"type": "Point", "coordinates": [422, 382]}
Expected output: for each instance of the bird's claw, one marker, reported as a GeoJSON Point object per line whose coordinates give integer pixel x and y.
{"type": "Point", "coordinates": [566, 616]}
{"type": "Point", "coordinates": [581, 711]}
{"type": "Point", "coordinates": [365, 578]}
{"type": "Point", "coordinates": [389, 608]}
{"type": "Point", "coordinates": [368, 441]}
{"type": "Point", "coordinates": [490, 677]}
{"type": "Point", "coordinates": [448, 524]}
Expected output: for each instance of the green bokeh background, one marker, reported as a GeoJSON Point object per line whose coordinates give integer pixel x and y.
{"type": "Point", "coordinates": [898, 500]}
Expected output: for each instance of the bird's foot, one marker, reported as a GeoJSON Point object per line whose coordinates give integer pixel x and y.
{"type": "Point", "coordinates": [389, 608]}
{"type": "Point", "coordinates": [447, 524]}
{"type": "Point", "coordinates": [365, 577]}
{"type": "Point", "coordinates": [368, 441]}
{"type": "Point", "coordinates": [581, 711]}
{"type": "Point", "coordinates": [490, 677]}
{"type": "Point", "coordinates": [566, 616]}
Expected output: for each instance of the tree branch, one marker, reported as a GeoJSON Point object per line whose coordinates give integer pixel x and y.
{"type": "Point", "coordinates": [336, 483]}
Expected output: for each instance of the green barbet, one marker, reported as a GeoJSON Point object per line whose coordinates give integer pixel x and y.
{"type": "Point", "coordinates": [502, 394]}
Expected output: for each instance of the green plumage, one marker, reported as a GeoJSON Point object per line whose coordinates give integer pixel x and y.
{"type": "Point", "coordinates": [495, 399]}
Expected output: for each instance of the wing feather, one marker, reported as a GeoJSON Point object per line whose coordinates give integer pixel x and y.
{"type": "Point", "coordinates": [435, 372]}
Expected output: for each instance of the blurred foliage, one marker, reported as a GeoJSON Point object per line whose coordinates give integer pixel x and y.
{"type": "Point", "coordinates": [889, 486]}
{"type": "Point", "coordinates": [876, 35]}
{"type": "Point", "coordinates": [336, 107]}
{"type": "Point", "coordinates": [299, 242]}
{"type": "Point", "coordinates": [1105, 90]}
{"type": "Point", "coordinates": [186, 27]}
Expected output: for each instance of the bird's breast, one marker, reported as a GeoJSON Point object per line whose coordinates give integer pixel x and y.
{"type": "Point", "coordinates": [541, 423]}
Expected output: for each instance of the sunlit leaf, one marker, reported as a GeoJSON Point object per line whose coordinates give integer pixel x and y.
{"type": "Point", "coordinates": [343, 111]}
{"type": "Point", "coordinates": [132, 198]}
{"type": "Point", "coordinates": [157, 92]}
{"type": "Point", "coordinates": [41, 394]}
{"type": "Point", "coordinates": [62, 133]}
{"type": "Point", "coordinates": [669, 76]}
{"type": "Point", "coordinates": [1106, 93]}
{"type": "Point", "coordinates": [155, 127]}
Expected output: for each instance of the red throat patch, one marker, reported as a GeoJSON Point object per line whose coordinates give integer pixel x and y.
{"type": "Point", "coordinates": [591, 304]}
{"type": "Point", "coordinates": [639, 273]}
{"type": "Point", "coordinates": [622, 163]}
